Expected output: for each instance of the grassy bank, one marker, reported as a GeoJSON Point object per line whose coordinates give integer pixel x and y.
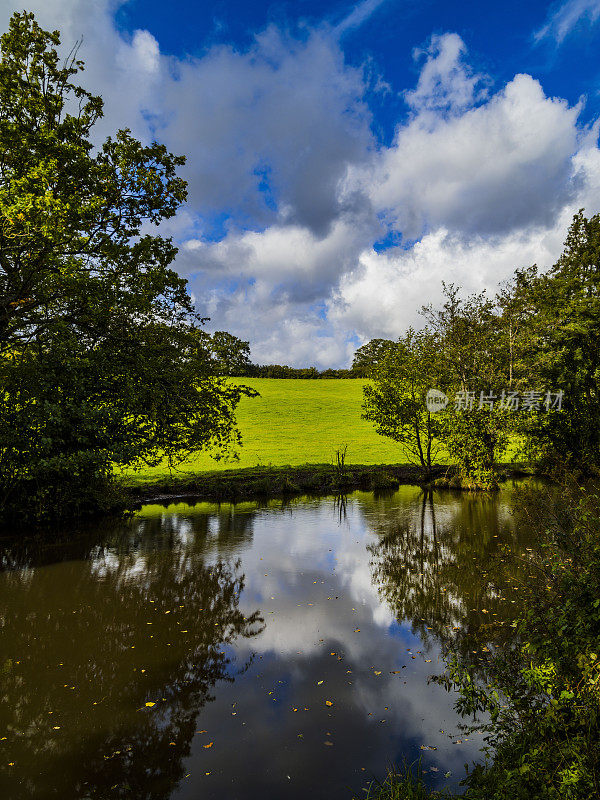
{"type": "Point", "coordinates": [259, 482]}
{"type": "Point", "coordinates": [251, 483]}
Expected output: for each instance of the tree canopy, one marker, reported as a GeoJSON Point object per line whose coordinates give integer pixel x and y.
{"type": "Point", "coordinates": [103, 360]}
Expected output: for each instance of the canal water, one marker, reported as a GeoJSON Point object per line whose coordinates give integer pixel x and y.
{"type": "Point", "coordinates": [248, 651]}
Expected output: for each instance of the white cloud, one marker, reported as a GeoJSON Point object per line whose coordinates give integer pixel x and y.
{"type": "Point", "coordinates": [384, 294]}
{"type": "Point", "coordinates": [286, 257]}
{"type": "Point", "coordinates": [358, 16]}
{"type": "Point", "coordinates": [499, 166]}
{"type": "Point", "coordinates": [446, 81]}
{"type": "Point", "coordinates": [287, 113]}
{"type": "Point", "coordinates": [565, 18]}
{"type": "Point", "coordinates": [487, 185]}
{"type": "Point", "coordinates": [283, 165]}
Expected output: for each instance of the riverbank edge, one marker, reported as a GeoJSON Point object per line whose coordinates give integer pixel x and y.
{"type": "Point", "coordinates": [258, 483]}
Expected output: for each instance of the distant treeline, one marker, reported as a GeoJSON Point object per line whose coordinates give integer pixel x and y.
{"type": "Point", "coordinates": [231, 356]}
{"type": "Point", "coordinates": [283, 371]}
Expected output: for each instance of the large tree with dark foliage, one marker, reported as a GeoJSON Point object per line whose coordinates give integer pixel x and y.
{"type": "Point", "coordinates": [560, 340]}
{"type": "Point", "coordinates": [103, 361]}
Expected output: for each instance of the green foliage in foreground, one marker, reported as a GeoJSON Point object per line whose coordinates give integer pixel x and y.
{"type": "Point", "coordinates": [543, 694]}
{"type": "Point", "coordinates": [404, 783]}
{"type": "Point", "coordinates": [294, 422]}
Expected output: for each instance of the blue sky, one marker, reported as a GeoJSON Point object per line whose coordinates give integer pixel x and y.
{"type": "Point", "coordinates": [345, 159]}
{"type": "Point", "coordinates": [501, 38]}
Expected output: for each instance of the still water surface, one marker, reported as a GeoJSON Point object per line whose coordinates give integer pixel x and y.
{"type": "Point", "coordinates": [248, 651]}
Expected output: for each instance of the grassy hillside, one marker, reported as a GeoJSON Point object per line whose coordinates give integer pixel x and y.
{"type": "Point", "coordinates": [299, 422]}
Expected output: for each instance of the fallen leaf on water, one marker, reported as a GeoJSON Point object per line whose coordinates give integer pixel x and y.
{"type": "Point", "coordinates": [377, 673]}
{"type": "Point", "coordinates": [206, 746]}
{"type": "Point", "coordinates": [319, 683]}
{"type": "Point", "coordinates": [329, 744]}
{"type": "Point", "coordinates": [149, 705]}
{"type": "Point", "coordinates": [428, 747]}
{"type": "Point", "coordinates": [328, 703]}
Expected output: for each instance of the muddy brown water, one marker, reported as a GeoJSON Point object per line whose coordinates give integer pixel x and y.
{"type": "Point", "coordinates": [252, 651]}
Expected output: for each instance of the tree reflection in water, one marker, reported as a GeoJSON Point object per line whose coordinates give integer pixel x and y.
{"type": "Point", "coordinates": [445, 570]}
{"type": "Point", "coordinates": [88, 644]}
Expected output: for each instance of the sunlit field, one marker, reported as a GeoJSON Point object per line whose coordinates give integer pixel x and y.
{"type": "Point", "coordinates": [298, 422]}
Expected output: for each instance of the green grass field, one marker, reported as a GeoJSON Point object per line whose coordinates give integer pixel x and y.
{"type": "Point", "coordinates": [297, 422]}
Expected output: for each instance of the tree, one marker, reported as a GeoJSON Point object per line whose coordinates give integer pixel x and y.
{"type": "Point", "coordinates": [395, 399]}
{"type": "Point", "coordinates": [369, 356]}
{"type": "Point", "coordinates": [102, 359]}
{"type": "Point", "coordinates": [517, 313]}
{"type": "Point", "coordinates": [562, 347]}
{"type": "Point", "coordinates": [471, 354]}
{"type": "Point", "coordinates": [473, 362]}
{"type": "Point", "coordinates": [232, 355]}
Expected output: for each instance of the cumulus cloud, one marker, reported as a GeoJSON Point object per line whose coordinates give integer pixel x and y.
{"type": "Point", "coordinates": [413, 277]}
{"type": "Point", "coordinates": [269, 132]}
{"type": "Point", "coordinates": [288, 258]}
{"type": "Point", "coordinates": [484, 183]}
{"type": "Point", "coordinates": [446, 81]}
{"type": "Point", "coordinates": [488, 168]}
{"type": "Point", "coordinates": [290, 190]}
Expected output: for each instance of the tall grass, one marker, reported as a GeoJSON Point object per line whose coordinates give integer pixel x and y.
{"type": "Point", "coordinates": [404, 783]}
